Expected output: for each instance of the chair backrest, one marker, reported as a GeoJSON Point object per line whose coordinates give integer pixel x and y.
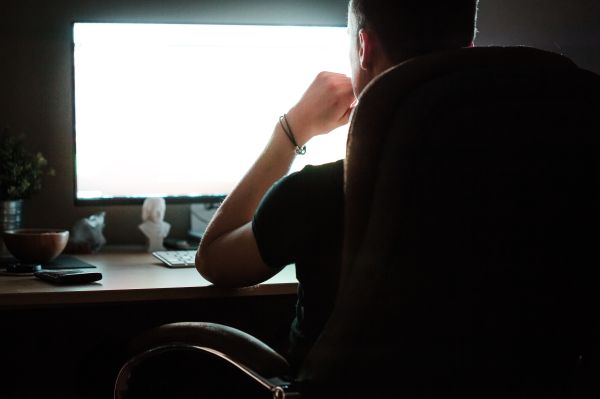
{"type": "Point", "coordinates": [472, 219]}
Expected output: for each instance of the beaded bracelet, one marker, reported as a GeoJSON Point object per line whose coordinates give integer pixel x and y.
{"type": "Point", "coordinates": [288, 132]}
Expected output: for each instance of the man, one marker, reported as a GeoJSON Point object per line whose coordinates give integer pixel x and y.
{"type": "Point", "coordinates": [268, 220]}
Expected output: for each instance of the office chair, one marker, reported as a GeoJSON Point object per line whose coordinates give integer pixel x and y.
{"type": "Point", "coordinates": [471, 187]}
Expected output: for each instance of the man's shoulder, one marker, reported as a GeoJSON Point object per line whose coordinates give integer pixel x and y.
{"type": "Point", "coordinates": [312, 183]}
{"type": "Point", "coordinates": [326, 173]}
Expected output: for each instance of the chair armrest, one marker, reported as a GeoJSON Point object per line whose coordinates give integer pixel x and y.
{"type": "Point", "coordinates": [236, 344]}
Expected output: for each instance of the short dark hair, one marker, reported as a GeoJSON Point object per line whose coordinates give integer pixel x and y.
{"type": "Point", "coordinates": [407, 28]}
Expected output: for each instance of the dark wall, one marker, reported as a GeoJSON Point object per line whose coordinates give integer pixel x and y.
{"type": "Point", "coordinates": [36, 86]}
{"type": "Point", "coordinates": [569, 27]}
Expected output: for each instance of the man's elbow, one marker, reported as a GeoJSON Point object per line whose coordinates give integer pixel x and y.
{"type": "Point", "coordinates": [203, 266]}
{"type": "Point", "coordinates": [210, 271]}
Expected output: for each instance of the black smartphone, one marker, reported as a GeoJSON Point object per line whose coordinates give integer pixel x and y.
{"type": "Point", "coordinates": [68, 276]}
{"type": "Point", "coordinates": [23, 268]}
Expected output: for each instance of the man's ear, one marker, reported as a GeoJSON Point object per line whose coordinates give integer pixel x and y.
{"type": "Point", "coordinates": [365, 49]}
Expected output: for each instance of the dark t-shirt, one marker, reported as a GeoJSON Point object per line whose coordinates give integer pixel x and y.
{"type": "Point", "coordinates": [300, 220]}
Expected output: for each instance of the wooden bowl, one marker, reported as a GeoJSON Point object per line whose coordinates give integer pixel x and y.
{"type": "Point", "coordinates": [35, 245]}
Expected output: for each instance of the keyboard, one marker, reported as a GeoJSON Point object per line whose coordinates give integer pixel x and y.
{"type": "Point", "coordinates": [183, 258]}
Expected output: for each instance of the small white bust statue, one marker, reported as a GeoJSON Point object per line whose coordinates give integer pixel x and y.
{"type": "Point", "coordinates": [153, 226]}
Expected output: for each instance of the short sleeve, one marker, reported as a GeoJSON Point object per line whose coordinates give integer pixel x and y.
{"type": "Point", "coordinates": [291, 212]}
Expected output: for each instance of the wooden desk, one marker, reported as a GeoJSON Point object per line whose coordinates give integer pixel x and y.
{"type": "Point", "coordinates": [72, 338]}
{"type": "Point", "coordinates": [130, 277]}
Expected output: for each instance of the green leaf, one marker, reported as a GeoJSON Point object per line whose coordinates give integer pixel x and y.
{"type": "Point", "coordinates": [21, 171]}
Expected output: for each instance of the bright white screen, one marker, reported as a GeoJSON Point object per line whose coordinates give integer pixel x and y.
{"type": "Point", "coordinates": [184, 110]}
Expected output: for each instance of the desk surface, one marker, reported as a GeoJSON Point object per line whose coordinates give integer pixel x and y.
{"type": "Point", "coordinates": [131, 277]}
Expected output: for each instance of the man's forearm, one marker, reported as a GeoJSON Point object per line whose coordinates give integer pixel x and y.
{"type": "Point", "coordinates": [239, 206]}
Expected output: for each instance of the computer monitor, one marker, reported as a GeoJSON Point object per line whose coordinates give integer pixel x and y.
{"type": "Point", "coordinates": [181, 111]}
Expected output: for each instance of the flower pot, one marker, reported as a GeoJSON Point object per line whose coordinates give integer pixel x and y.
{"type": "Point", "coordinates": [10, 219]}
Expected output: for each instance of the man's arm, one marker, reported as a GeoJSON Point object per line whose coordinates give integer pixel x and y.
{"type": "Point", "coordinates": [228, 254]}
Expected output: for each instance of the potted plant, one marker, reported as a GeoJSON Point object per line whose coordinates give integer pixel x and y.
{"type": "Point", "coordinates": [21, 173]}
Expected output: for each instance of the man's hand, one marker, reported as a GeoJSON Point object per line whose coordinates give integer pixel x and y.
{"type": "Point", "coordinates": [325, 105]}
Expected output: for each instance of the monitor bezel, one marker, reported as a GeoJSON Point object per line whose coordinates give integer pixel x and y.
{"type": "Point", "coordinates": [209, 200]}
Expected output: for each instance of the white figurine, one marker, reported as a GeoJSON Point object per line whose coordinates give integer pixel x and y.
{"type": "Point", "coordinates": [86, 234]}
{"type": "Point", "coordinates": [153, 226]}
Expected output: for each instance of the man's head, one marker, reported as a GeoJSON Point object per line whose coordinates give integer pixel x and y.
{"type": "Point", "coordinates": [384, 33]}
